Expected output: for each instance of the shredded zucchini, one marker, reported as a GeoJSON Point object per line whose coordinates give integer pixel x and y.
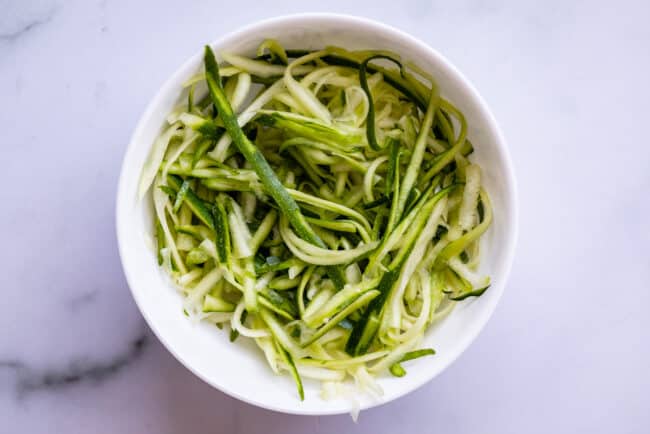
{"type": "Point", "coordinates": [321, 202]}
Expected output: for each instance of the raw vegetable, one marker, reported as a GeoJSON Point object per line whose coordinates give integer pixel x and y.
{"type": "Point", "coordinates": [323, 204]}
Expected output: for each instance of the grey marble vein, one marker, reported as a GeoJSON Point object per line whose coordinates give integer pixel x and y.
{"type": "Point", "coordinates": [29, 380]}
{"type": "Point", "coordinates": [12, 34]}
{"type": "Point", "coordinates": [80, 300]}
{"type": "Point", "coordinates": [11, 364]}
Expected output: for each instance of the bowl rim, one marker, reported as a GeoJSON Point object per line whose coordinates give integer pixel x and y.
{"type": "Point", "coordinates": [369, 24]}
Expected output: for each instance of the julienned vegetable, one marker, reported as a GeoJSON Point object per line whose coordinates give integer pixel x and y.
{"type": "Point", "coordinates": [323, 204]}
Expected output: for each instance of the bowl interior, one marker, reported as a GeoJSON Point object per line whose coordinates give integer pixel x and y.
{"type": "Point", "coordinates": [239, 369]}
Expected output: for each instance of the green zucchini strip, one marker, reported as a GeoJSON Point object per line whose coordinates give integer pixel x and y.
{"type": "Point", "coordinates": [371, 131]}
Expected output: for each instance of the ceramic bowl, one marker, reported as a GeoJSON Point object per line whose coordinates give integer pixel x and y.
{"type": "Point", "coordinates": [240, 369]}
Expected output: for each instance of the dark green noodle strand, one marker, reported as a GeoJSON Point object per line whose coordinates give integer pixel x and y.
{"type": "Point", "coordinates": [370, 123]}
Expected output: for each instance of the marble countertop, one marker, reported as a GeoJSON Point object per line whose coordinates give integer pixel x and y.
{"type": "Point", "coordinates": [568, 348]}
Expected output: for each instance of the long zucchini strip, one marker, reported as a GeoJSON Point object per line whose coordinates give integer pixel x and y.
{"type": "Point", "coordinates": [311, 129]}
{"type": "Point", "coordinates": [195, 203]}
{"type": "Point", "coordinates": [457, 246]}
{"type": "Point", "coordinates": [353, 306]}
{"type": "Point", "coordinates": [418, 153]}
{"type": "Point", "coordinates": [286, 356]}
{"type": "Point", "coordinates": [330, 206]}
{"type": "Point", "coordinates": [446, 157]}
{"type": "Point", "coordinates": [315, 255]}
{"type": "Point", "coordinates": [363, 79]}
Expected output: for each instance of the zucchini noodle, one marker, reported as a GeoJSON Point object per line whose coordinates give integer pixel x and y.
{"type": "Point", "coordinates": [321, 203]}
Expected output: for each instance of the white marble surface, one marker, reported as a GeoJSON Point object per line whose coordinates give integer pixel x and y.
{"type": "Point", "coordinates": [568, 348]}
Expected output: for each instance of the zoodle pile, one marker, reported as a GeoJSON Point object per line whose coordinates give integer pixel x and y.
{"type": "Point", "coordinates": [320, 203]}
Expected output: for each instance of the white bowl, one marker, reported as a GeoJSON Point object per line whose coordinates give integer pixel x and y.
{"type": "Point", "coordinates": [240, 369]}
